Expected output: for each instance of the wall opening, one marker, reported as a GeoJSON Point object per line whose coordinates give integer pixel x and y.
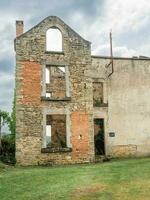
{"type": "Point", "coordinates": [97, 94]}
{"type": "Point", "coordinates": [56, 131]}
{"type": "Point", "coordinates": [53, 40]}
{"type": "Point", "coordinates": [48, 135]}
{"type": "Point", "coordinates": [99, 134]}
{"type": "Point", "coordinates": [55, 82]}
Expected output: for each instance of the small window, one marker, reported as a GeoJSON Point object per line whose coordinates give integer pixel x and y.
{"type": "Point", "coordinates": [97, 94]}
{"type": "Point", "coordinates": [53, 40]}
{"type": "Point", "coordinates": [56, 131]}
{"type": "Point", "coordinates": [55, 82]}
{"type": "Point", "coordinates": [47, 74]}
{"type": "Point", "coordinates": [48, 135]}
{"type": "Point", "coordinates": [48, 94]}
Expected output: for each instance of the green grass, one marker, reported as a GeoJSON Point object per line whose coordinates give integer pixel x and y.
{"type": "Point", "coordinates": [119, 179]}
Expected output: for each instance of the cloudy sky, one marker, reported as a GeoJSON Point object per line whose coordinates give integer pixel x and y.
{"type": "Point", "coordinates": [92, 19]}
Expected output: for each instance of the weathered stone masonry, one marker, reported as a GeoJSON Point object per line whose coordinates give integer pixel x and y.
{"type": "Point", "coordinates": [125, 99]}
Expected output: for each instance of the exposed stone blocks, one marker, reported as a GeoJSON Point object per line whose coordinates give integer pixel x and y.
{"type": "Point", "coordinates": [31, 56]}
{"type": "Point", "coordinates": [124, 150]}
{"type": "Point", "coordinates": [125, 97]}
{"type": "Point", "coordinates": [27, 150]}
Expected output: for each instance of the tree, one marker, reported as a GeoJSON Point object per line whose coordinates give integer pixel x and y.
{"type": "Point", "coordinates": [12, 123]}
{"type": "Point", "coordinates": [4, 119]}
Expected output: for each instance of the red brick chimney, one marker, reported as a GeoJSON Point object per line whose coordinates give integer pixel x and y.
{"type": "Point", "coordinates": [19, 28]}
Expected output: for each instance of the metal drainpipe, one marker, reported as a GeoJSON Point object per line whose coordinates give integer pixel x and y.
{"type": "Point", "coordinates": [111, 54]}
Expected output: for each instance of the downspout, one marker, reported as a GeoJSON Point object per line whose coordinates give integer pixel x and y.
{"type": "Point", "coordinates": [111, 56]}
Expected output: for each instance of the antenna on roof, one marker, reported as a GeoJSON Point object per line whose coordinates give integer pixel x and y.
{"type": "Point", "coordinates": [111, 55]}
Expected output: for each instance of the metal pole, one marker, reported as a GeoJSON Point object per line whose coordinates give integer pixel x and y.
{"type": "Point", "coordinates": [111, 54]}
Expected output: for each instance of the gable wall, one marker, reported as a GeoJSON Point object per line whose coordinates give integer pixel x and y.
{"type": "Point", "coordinates": [31, 58]}
{"type": "Point", "coordinates": [126, 96]}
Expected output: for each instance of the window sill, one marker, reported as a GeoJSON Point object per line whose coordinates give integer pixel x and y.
{"type": "Point", "coordinates": [55, 52]}
{"type": "Point", "coordinates": [101, 105]}
{"type": "Point", "coordinates": [50, 99]}
{"type": "Point", "coordinates": [55, 150]}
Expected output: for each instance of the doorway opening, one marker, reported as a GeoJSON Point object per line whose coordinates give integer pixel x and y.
{"type": "Point", "coordinates": [99, 140]}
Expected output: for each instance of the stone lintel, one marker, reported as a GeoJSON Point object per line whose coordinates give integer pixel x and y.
{"type": "Point", "coordinates": [55, 150]}
{"type": "Point", "coordinates": [50, 99]}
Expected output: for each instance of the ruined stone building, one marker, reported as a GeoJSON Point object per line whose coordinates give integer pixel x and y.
{"type": "Point", "coordinates": [69, 109]}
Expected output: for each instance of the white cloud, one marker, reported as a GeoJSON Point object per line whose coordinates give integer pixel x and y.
{"type": "Point", "coordinates": [125, 51]}
{"type": "Point", "coordinates": [117, 51]}
{"type": "Point", "coordinates": [123, 17]}
{"type": "Point", "coordinates": [4, 78]}
{"type": "Point", "coordinates": [7, 89]}
{"type": "Point", "coordinates": [129, 20]}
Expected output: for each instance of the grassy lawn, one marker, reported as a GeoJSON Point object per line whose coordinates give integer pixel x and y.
{"type": "Point", "coordinates": [120, 180]}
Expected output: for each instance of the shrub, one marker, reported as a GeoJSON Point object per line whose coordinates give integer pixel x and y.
{"type": "Point", "coordinates": [8, 149]}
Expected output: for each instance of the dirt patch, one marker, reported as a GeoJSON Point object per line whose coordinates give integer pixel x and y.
{"type": "Point", "coordinates": [87, 192]}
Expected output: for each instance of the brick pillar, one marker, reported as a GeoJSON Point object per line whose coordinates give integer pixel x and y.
{"type": "Point", "coordinates": [19, 28]}
{"type": "Point", "coordinates": [80, 135]}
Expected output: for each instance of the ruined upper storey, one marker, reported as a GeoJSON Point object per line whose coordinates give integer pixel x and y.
{"type": "Point", "coordinates": [57, 50]}
{"type": "Point", "coordinates": [51, 81]}
{"type": "Point", "coordinates": [33, 44]}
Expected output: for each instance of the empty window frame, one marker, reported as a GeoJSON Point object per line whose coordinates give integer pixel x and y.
{"type": "Point", "coordinates": [53, 40]}
{"type": "Point", "coordinates": [48, 135]}
{"type": "Point", "coordinates": [55, 82]}
{"type": "Point", "coordinates": [49, 94]}
{"type": "Point", "coordinates": [56, 131]}
{"type": "Point", "coordinates": [97, 94]}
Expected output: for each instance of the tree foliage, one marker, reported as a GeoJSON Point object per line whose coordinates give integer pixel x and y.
{"type": "Point", "coordinates": [8, 149]}
{"type": "Point", "coordinates": [4, 119]}
{"type": "Point", "coordinates": [7, 142]}
{"type": "Point", "coordinates": [12, 123]}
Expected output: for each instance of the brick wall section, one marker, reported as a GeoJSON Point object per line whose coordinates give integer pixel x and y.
{"type": "Point", "coordinates": [19, 28]}
{"type": "Point", "coordinates": [80, 135]}
{"type": "Point", "coordinates": [31, 79]}
{"type": "Point", "coordinates": [31, 57]}
{"type": "Point", "coordinates": [30, 50]}
{"type": "Point", "coordinates": [28, 112]}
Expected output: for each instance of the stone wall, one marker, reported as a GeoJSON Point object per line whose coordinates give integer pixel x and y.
{"type": "Point", "coordinates": [128, 114]}
{"type": "Point", "coordinates": [125, 106]}
{"type": "Point", "coordinates": [31, 59]}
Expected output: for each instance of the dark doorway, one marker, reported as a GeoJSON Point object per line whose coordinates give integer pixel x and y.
{"type": "Point", "coordinates": [99, 136]}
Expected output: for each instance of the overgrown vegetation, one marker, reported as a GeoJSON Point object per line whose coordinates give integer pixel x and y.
{"type": "Point", "coordinates": [4, 119]}
{"type": "Point", "coordinates": [114, 180]}
{"type": "Point", "coordinates": [8, 149]}
{"type": "Point", "coordinates": [99, 137]}
{"type": "Point", "coordinates": [7, 142]}
{"type": "Point", "coordinates": [12, 124]}
{"type": "Point", "coordinates": [97, 102]}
